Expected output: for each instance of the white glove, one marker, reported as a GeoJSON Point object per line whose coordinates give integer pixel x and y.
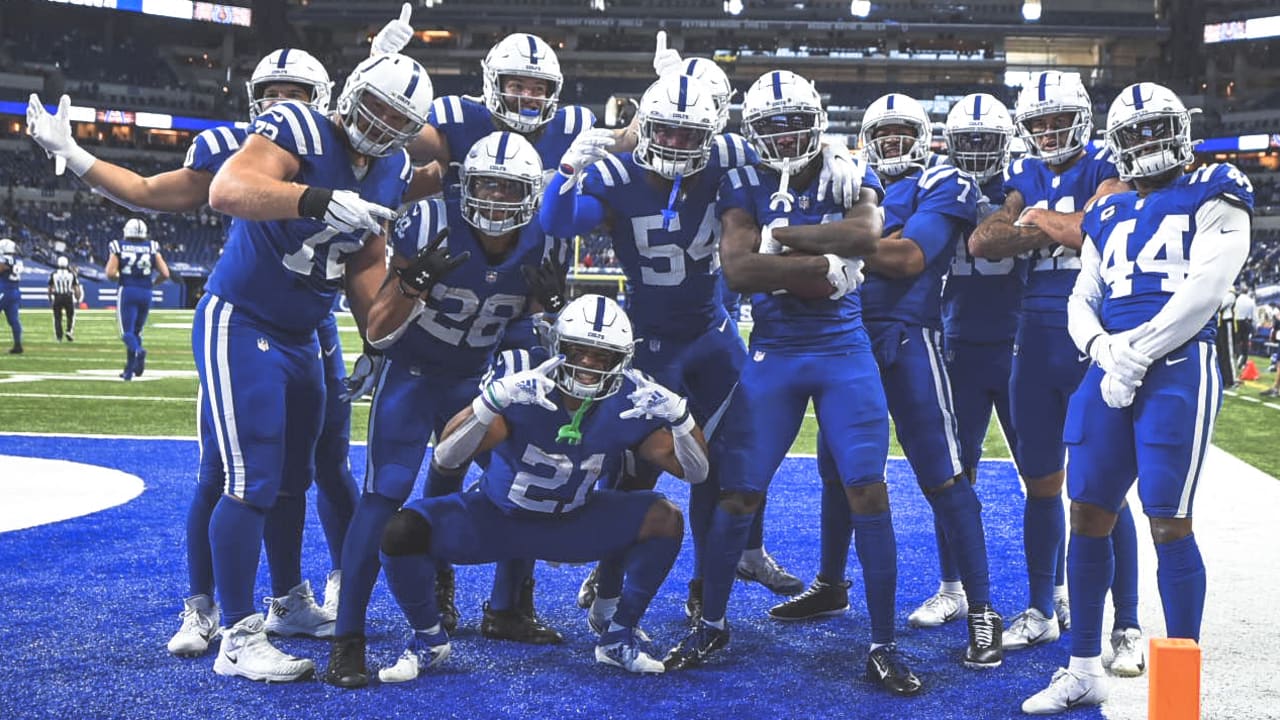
{"type": "Point", "coordinates": [652, 400]}
{"type": "Point", "coordinates": [1113, 354]}
{"type": "Point", "coordinates": [53, 133]}
{"type": "Point", "coordinates": [364, 375]}
{"type": "Point", "coordinates": [395, 35]}
{"type": "Point", "coordinates": [529, 387]}
{"type": "Point", "coordinates": [844, 274]}
{"type": "Point", "coordinates": [589, 147]}
{"type": "Point", "coordinates": [349, 213]}
{"type": "Point", "coordinates": [665, 59]}
{"type": "Point", "coordinates": [1118, 393]}
{"type": "Point", "coordinates": [841, 172]}
{"type": "Point", "coordinates": [768, 246]}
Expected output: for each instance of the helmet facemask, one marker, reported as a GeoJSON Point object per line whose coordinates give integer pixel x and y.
{"type": "Point", "coordinates": [376, 124]}
{"type": "Point", "coordinates": [787, 141]}
{"type": "Point", "coordinates": [893, 151]}
{"type": "Point", "coordinates": [672, 147]}
{"type": "Point", "coordinates": [980, 152]}
{"type": "Point", "coordinates": [1151, 144]}
{"type": "Point", "coordinates": [524, 112]}
{"type": "Point", "coordinates": [1064, 130]}
{"type": "Point", "coordinates": [498, 203]}
{"type": "Point", "coordinates": [592, 369]}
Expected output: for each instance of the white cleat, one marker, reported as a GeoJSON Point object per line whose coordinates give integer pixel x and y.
{"type": "Point", "coordinates": [298, 614]}
{"type": "Point", "coordinates": [200, 620]}
{"type": "Point", "coordinates": [426, 650]}
{"type": "Point", "coordinates": [1029, 628]}
{"type": "Point", "coordinates": [1067, 690]}
{"type": "Point", "coordinates": [1062, 609]}
{"type": "Point", "coordinates": [246, 652]}
{"type": "Point", "coordinates": [621, 648]}
{"type": "Point", "coordinates": [332, 589]}
{"type": "Point", "coordinates": [942, 608]}
{"type": "Point", "coordinates": [1130, 659]}
{"type": "Point", "coordinates": [762, 568]}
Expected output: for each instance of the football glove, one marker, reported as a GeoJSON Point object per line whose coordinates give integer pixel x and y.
{"type": "Point", "coordinates": [431, 264]}
{"type": "Point", "coordinates": [841, 172]}
{"type": "Point", "coordinates": [529, 387]}
{"type": "Point", "coordinates": [1116, 356]}
{"type": "Point", "coordinates": [589, 147]}
{"type": "Point", "coordinates": [665, 59]}
{"type": "Point", "coordinates": [1118, 393]}
{"type": "Point", "coordinates": [768, 246]}
{"type": "Point", "coordinates": [547, 283]}
{"type": "Point", "coordinates": [343, 210]}
{"type": "Point", "coordinates": [395, 35]}
{"type": "Point", "coordinates": [364, 375]}
{"type": "Point", "coordinates": [844, 274]}
{"type": "Point", "coordinates": [651, 400]}
{"type": "Point", "coordinates": [53, 134]}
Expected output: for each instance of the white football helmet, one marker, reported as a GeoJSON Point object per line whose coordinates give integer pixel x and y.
{"type": "Point", "coordinates": [709, 73]}
{"type": "Point", "coordinates": [896, 154]}
{"type": "Point", "coordinates": [978, 133]}
{"type": "Point", "coordinates": [678, 121]}
{"type": "Point", "coordinates": [1053, 93]}
{"type": "Point", "coordinates": [502, 164]}
{"type": "Point", "coordinates": [62, 261]}
{"type": "Point", "coordinates": [783, 118]}
{"type": "Point", "coordinates": [523, 55]}
{"type": "Point", "coordinates": [288, 65]}
{"type": "Point", "coordinates": [135, 229]}
{"type": "Point", "coordinates": [592, 322]}
{"type": "Point", "coordinates": [397, 85]}
{"type": "Point", "coordinates": [1149, 131]}
{"type": "Point", "coordinates": [8, 247]}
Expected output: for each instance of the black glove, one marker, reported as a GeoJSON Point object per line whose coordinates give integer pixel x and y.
{"type": "Point", "coordinates": [547, 284]}
{"type": "Point", "coordinates": [431, 264]}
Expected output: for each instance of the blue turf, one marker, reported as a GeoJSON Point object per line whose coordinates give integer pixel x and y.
{"type": "Point", "coordinates": [86, 607]}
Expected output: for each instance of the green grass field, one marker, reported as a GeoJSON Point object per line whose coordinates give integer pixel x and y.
{"type": "Point", "coordinates": [75, 388]}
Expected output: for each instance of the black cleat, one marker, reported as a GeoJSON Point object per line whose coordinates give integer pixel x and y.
{"type": "Point", "coordinates": [444, 599]}
{"type": "Point", "coordinates": [986, 629]}
{"type": "Point", "coordinates": [819, 600]}
{"type": "Point", "coordinates": [140, 362]}
{"type": "Point", "coordinates": [693, 603]}
{"type": "Point", "coordinates": [886, 667]}
{"type": "Point", "coordinates": [694, 649]}
{"type": "Point", "coordinates": [15, 350]}
{"type": "Point", "coordinates": [515, 625]}
{"type": "Point", "coordinates": [587, 593]}
{"type": "Point", "coordinates": [346, 662]}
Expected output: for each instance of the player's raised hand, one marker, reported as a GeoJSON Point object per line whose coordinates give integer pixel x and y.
{"type": "Point", "coordinates": [395, 35]}
{"type": "Point", "coordinates": [53, 134]}
{"type": "Point", "coordinates": [547, 283]}
{"type": "Point", "coordinates": [529, 387]}
{"type": "Point", "coordinates": [652, 400]}
{"type": "Point", "coordinates": [432, 263]}
{"type": "Point", "coordinates": [589, 147]}
{"type": "Point", "coordinates": [841, 173]}
{"type": "Point", "coordinates": [665, 59]}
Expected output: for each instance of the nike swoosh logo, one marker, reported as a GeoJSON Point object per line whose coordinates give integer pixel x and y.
{"type": "Point", "coordinates": [1082, 358]}
{"type": "Point", "coordinates": [904, 341]}
{"type": "Point", "coordinates": [724, 324]}
{"type": "Point", "coordinates": [1174, 361]}
{"type": "Point", "coordinates": [330, 351]}
{"type": "Point", "coordinates": [1224, 231]}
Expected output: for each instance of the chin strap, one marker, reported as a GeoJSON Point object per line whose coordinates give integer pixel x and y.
{"type": "Point", "coordinates": [782, 200]}
{"type": "Point", "coordinates": [571, 434]}
{"type": "Point", "coordinates": [669, 212]}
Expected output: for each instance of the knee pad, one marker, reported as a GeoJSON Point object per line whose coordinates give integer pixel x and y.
{"type": "Point", "coordinates": [407, 533]}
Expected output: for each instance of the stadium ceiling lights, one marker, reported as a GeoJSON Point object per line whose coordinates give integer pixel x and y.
{"type": "Point", "coordinates": [733, 7]}
{"type": "Point", "coordinates": [860, 8]}
{"type": "Point", "coordinates": [1031, 10]}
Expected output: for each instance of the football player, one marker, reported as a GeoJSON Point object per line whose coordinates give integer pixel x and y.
{"type": "Point", "coordinates": [1045, 195]}
{"type": "Point", "coordinates": [1154, 266]}
{"type": "Point", "coordinates": [555, 431]}
{"type": "Point", "coordinates": [979, 315]}
{"type": "Point", "coordinates": [132, 262]}
{"type": "Point", "coordinates": [438, 341]}
{"type": "Point", "coordinates": [10, 290]}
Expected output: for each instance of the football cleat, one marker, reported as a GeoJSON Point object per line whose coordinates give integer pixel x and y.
{"type": "Point", "coordinates": [332, 590]}
{"type": "Point", "coordinates": [986, 648]}
{"type": "Point", "coordinates": [347, 667]}
{"type": "Point", "coordinates": [694, 649]}
{"type": "Point", "coordinates": [445, 579]}
{"type": "Point", "coordinates": [1270, 392]}
{"type": "Point", "coordinates": [140, 362]}
{"type": "Point", "coordinates": [426, 650]}
{"type": "Point", "coordinates": [1030, 628]}
{"type": "Point", "coordinates": [246, 652]}
{"type": "Point", "coordinates": [693, 603]}
{"type": "Point", "coordinates": [298, 614]}
{"type": "Point", "coordinates": [886, 668]}
{"type": "Point", "coordinates": [587, 592]}
{"type": "Point", "coordinates": [942, 607]}
{"type": "Point", "coordinates": [621, 648]}
{"type": "Point", "coordinates": [515, 625]}
{"type": "Point", "coordinates": [15, 350]}
{"type": "Point", "coordinates": [200, 619]}
{"type": "Point", "coordinates": [1068, 689]}
{"type": "Point", "coordinates": [1062, 610]}
{"type": "Point", "coordinates": [1130, 660]}
{"type": "Point", "coordinates": [766, 571]}
{"type": "Point", "coordinates": [819, 600]}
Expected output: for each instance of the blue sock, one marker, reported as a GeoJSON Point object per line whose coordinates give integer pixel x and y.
{"type": "Point", "coordinates": [1043, 531]}
{"type": "Point", "coordinates": [199, 554]}
{"type": "Point", "coordinates": [412, 580]}
{"type": "Point", "coordinates": [360, 563]}
{"type": "Point", "coordinates": [1180, 575]}
{"type": "Point", "coordinates": [647, 565]}
{"type": "Point", "coordinates": [1089, 573]}
{"type": "Point", "coordinates": [609, 577]}
{"type": "Point", "coordinates": [336, 497]}
{"type": "Point", "coordinates": [877, 549]}
{"type": "Point", "coordinates": [725, 541]}
{"type": "Point", "coordinates": [1124, 586]}
{"type": "Point", "coordinates": [946, 558]}
{"type": "Point", "coordinates": [702, 505]}
{"type": "Point", "coordinates": [235, 535]}
{"type": "Point", "coordinates": [837, 533]}
{"type": "Point", "coordinates": [282, 538]}
{"type": "Point", "coordinates": [440, 482]}
{"type": "Point", "coordinates": [508, 577]}
{"type": "Point", "coordinates": [960, 512]}
{"type": "Point", "coordinates": [755, 538]}
{"type": "Point", "coordinates": [1060, 572]}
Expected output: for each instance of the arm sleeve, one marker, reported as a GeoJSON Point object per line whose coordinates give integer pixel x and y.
{"type": "Point", "coordinates": [689, 453]}
{"type": "Point", "coordinates": [1085, 303]}
{"type": "Point", "coordinates": [932, 231]}
{"type": "Point", "coordinates": [455, 450]}
{"type": "Point", "coordinates": [571, 212]}
{"type": "Point", "coordinates": [1218, 251]}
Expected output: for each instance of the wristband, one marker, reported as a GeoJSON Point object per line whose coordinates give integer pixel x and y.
{"type": "Point", "coordinates": [79, 160]}
{"type": "Point", "coordinates": [369, 349]}
{"type": "Point", "coordinates": [1088, 347]}
{"type": "Point", "coordinates": [314, 202]}
{"type": "Point", "coordinates": [483, 412]}
{"type": "Point", "coordinates": [684, 425]}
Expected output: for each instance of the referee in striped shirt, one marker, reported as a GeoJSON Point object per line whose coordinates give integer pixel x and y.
{"type": "Point", "coordinates": [65, 293]}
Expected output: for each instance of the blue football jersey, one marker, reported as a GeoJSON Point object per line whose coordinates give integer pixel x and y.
{"type": "Point", "coordinates": [10, 276]}
{"type": "Point", "coordinates": [1053, 269]}
{"type": "Point", "coordinates": [531, 471]}
{"type": "Point", "coordinates": [465, 120]}
{"type": "Point", "coordinates": [981, 298]}
{"type": "Point", "coordinates": [137, 259]}
{"type": "Point", "coordinates": [467, 312]}
{"type": "Point", "coordinates": [782, 321]}
{"type": "Point", "coordinates": [936, 208]}
{"type": "Point", "coordinates": [1145, 243]}
{"type": "Point", "coordinates": [672, 264]}
{"type": "Point", "coordinates": [288, 272]}
{"type": "Point", "coordinates": [212, 147]}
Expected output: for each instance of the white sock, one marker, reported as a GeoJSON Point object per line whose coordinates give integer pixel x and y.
{"type": "Point", "coordinates": [1059, 592]}
{"type": "Point", "coordinates": [1087, 666]}
{"type": "Point", "coordinates": [614, 627]}
{"type": "Point", "coordinates": [717, 624]}
{"type": "Point", "coordinates": [431, 630]}
{"type": "Point", "coordinates": [604, 607]}
{"type": "Point", "coordinates": [877, 646]}
{"type": "Point", "coordinates": [754, 556]}
{"type": "Point", "coordinates": [953, 587]}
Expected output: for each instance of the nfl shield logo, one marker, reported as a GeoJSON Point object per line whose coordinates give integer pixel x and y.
{"type": "Point", "coordinates": [759, 355]}
{"type": "Point", "coordinates": [655, 345]}
{"type": "Point", "coordinates": [804, 202]}
{"type": "Point", "coordinates": [491, 276]}
{"type": "Point", "coordinates": [263, 345]}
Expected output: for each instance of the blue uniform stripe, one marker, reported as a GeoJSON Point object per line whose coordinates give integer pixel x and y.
{"type": "Point", "coordinates": [598, 323]}
{"type": "Point", "coordinates": [1044, 80]}
{"type": "Point", "coordinates": [889, 103]}
{"type": "Point", "coordinates": [284, 58]}
{"type": "Point", "coordinates": [693, 65]}
{"type": "Point", "coordinates": [977, 107]}
{"type": "Point", "coordinates": [777, 85]}
{"type": "Point", "coordinates": [502, 147]}
{"type": "Point", "coordinates": [1137, 97]}
{"type": "Point", "coordinates": [413, 81]}
{"type": "Point", "coordinates": [684, 93]}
